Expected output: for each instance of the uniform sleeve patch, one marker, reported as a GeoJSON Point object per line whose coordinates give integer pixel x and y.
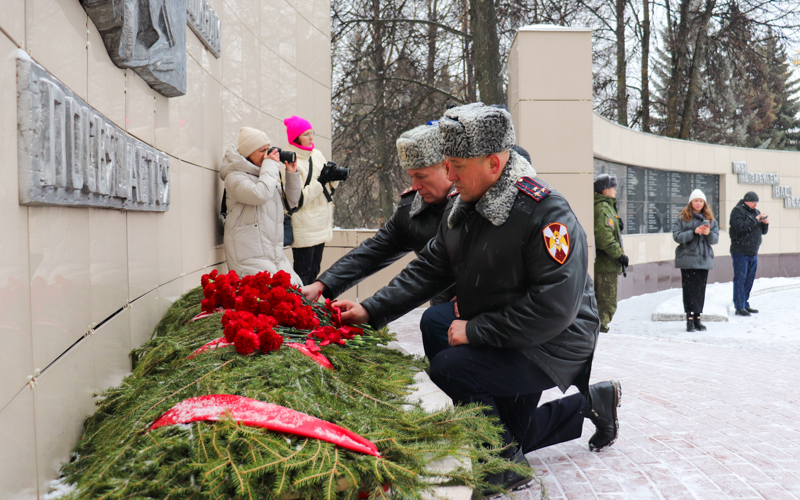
{"type": "Point", "coordinates": [532, 188]}
{"type": "Point", "coordinates": [610, 221]}
{"type": "Point", "coordinates": [556, 239]}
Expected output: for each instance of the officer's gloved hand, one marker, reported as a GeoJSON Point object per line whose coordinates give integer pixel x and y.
{"type": "Point", "coordinates": [623, 259]}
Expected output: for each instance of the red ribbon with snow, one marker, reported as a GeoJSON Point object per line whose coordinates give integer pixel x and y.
{"type": "Point", "coordinates": [222, 342]}
{"type": "Point", "coordinates": [269, 416]}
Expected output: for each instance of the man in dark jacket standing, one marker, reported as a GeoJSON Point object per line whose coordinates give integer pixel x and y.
{"type": "Point", "coordinates": [412, 225]}
{"type": "Point", "coordinates": [528, 319]}
{"type": "Point", "coordinates": [610, 260]}
{"type": "Point", "coordinates": [748, 224]}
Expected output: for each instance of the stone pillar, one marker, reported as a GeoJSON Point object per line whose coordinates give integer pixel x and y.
{"type": "Point", "coordinates": [550, 98]}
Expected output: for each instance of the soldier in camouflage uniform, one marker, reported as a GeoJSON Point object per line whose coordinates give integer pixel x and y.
{"type": "Point", "coordinates": [610, 259]}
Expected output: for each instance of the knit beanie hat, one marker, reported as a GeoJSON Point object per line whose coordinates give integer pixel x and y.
{"type": "Point", "coordinates": [420, 147]}
{"type": "Point", "coordinates": [250, 139]}
{"type": "Point", "coordinates": [750, 196]}
{"type": "Point", "coordinates": [294, 127]}
{"type": "Point", "coordinates": [476, 129]}
{"type": "Point", "coordinates": [603, 182]}
{"type": "Point", "coordinates": [697, 194]}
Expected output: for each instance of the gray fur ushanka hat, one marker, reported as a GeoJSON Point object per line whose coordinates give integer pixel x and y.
{"type": "Point", "coordinates": [603, 182]}
{"type": "Point", "coordinates": [476, 129]}
{"type": "Point", "coordinates": [420, 147]}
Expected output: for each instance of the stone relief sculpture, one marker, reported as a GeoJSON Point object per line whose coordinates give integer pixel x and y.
{"type": "Point", "coordinates": [147, 36]}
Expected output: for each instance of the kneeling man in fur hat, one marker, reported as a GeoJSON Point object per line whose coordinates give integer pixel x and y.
{"type": "Point", "coordinates": [527, 316]}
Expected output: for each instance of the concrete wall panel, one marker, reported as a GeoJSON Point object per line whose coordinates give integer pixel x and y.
{"type": "Point", "coordinates": [65, 270]}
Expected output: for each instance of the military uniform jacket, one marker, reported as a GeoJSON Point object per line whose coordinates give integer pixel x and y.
{"type": "Point", "coordinates": [607, 235]}
{"type": "Point", "coordinates": [410, 228]}
{"type": "Point", "coordinates": [519, 284]}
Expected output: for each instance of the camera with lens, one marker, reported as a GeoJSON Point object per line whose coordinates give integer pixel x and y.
{"type": "Point", "coordinates": [285, 156]}
{"type": "Point", "coordinates": [332, 172]}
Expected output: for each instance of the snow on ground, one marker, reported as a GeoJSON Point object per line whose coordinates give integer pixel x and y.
{"type": "Point", "coordinates": [705, 415]}
{"type": "Point", "coordinates": [776, 325]}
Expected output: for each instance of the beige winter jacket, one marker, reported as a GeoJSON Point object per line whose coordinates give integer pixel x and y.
{"type": "Point", "coordinates": [313, 223]}
{"type": "Point", "coordinates": [254, 225]}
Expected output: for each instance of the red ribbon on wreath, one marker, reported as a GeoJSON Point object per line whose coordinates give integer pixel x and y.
{"type": "Point", "coordinates": [215, 407]}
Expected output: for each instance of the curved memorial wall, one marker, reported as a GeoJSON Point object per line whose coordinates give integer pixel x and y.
{"type": "Point", "coordinates": [112, 128]}
{"type": "Point", "coordinates": [657, 174]}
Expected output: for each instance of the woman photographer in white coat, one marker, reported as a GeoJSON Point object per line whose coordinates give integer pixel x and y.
{"type": "Point", "coordinates": [254, 197]}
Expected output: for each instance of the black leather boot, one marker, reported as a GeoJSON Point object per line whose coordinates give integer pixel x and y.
{"type": "Point", "coordinates": [690, 325]}
{"type": "Point", "coordinates": [700, 327]}
{"type": "Point", "coordinates": [604, 397]}
{"type": "Point", "coordinates": [508, 480]}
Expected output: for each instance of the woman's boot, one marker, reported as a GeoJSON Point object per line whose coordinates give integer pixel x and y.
{"type": "Point", "coordinates": [700, 327]}
{"type": "Point", "coordinates": [690, 323]}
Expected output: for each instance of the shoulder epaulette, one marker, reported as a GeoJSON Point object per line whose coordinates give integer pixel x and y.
{"type": "Point", "coordinates": [407, 192]}
{"type": "Point", "coordinates": [453, 193]}
{"type": "Point", "coordinates": [532, 188]}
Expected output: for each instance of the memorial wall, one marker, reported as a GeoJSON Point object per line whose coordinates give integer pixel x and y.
{"type": "Point", "coordinates": [113, 119]}
{"type": "Point", "coordinates": [657, 175]}
{"type": "Point", "coordinates": [649, 200]}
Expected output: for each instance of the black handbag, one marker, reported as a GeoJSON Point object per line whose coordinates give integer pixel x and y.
{"type": "Point", "coordinates": [288, 232]}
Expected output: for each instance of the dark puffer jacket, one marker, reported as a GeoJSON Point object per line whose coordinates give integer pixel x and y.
{"type": "Point", "coordinates": [409, 229]}
{"type": "Point", "coordinates": [746, 230]}
{"type": "Point", "coordinates": [511, 290]}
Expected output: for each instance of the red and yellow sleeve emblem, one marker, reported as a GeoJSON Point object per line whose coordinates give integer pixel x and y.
{"type": "Point", "coordinates": [556, 239]}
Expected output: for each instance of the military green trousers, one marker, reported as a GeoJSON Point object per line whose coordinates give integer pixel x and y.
{"type": "Point", "coordinates": [605, 290]}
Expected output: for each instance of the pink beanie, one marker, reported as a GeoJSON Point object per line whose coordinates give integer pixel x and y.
{"type": "Point", "coordinates": [294, 127]}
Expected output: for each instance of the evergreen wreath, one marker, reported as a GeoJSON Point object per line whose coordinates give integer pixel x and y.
{"type": "Point", "coordinates": [118, 458]}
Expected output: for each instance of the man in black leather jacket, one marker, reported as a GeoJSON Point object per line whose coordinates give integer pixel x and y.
{"type": "Point", "coordinates": [528, 317]}
{"type": "Point", "coordinates": [412, 225]}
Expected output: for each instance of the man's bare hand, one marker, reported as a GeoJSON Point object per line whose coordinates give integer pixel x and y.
{"type": "Point", "coordinates": [313, 291]}
{"type": "Point", "coordinates": [352, 313]}
{"type": "Point", "coordinates": [457, 333]}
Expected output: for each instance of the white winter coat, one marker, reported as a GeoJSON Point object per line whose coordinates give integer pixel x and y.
{"type": "Point", "coordinates": [313, 223]}
{"type": "Point", "coordinates": [254, 225]}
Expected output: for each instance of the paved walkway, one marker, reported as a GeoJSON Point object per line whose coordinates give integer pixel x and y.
{"type": "Point", "coordinates": [698, 421]}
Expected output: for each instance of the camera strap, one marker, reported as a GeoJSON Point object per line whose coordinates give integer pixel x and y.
{"type": "Point", "coordinates": [291, 211]}
{"type": "Point", "coordinates": [328, 195]}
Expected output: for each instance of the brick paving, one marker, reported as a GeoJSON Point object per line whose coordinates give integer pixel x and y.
{"type": "Point", "coordinates": [698, 421]}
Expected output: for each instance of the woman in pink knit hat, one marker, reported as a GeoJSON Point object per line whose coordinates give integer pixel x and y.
{"type": "Point", "coordinates": [312, 223]}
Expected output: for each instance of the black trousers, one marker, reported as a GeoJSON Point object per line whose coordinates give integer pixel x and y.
{"type": "Point", "coordinates": [505, 380]}
{"type": "Point", "coordinates": [306, 262]}
{"type": "Point", "coordinates": [694, 289]}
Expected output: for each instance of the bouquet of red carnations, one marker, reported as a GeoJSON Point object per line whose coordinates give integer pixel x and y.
{"type": "Point", "coordinates": [263, 310]}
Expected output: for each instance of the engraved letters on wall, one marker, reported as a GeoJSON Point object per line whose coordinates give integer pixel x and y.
{"type": "Point", "coordinates": [71, 155]}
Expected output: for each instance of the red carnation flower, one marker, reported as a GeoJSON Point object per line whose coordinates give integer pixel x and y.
{"type": "Point", "coordinates": [228, 316]}
{"type": "Point", "coordinates": [207, 306]}
{"type": "Point", "coordinates": [245, 342]}
{"type": "Point", "coordinates": [282, 279]}
{"type": "Point", "coordinates": [269, 340]}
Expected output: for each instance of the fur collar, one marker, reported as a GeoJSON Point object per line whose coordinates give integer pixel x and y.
{"type": "Point", "coordinates": [418, 205]}
{"type": "Point", "coordinates": [496, 204]}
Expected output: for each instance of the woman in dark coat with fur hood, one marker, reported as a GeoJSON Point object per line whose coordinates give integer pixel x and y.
{"type": "Point", "coordinates": [695, 230]}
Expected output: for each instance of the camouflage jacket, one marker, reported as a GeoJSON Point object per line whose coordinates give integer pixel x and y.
{"type": "Point", "coordinates": [607, 235]}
